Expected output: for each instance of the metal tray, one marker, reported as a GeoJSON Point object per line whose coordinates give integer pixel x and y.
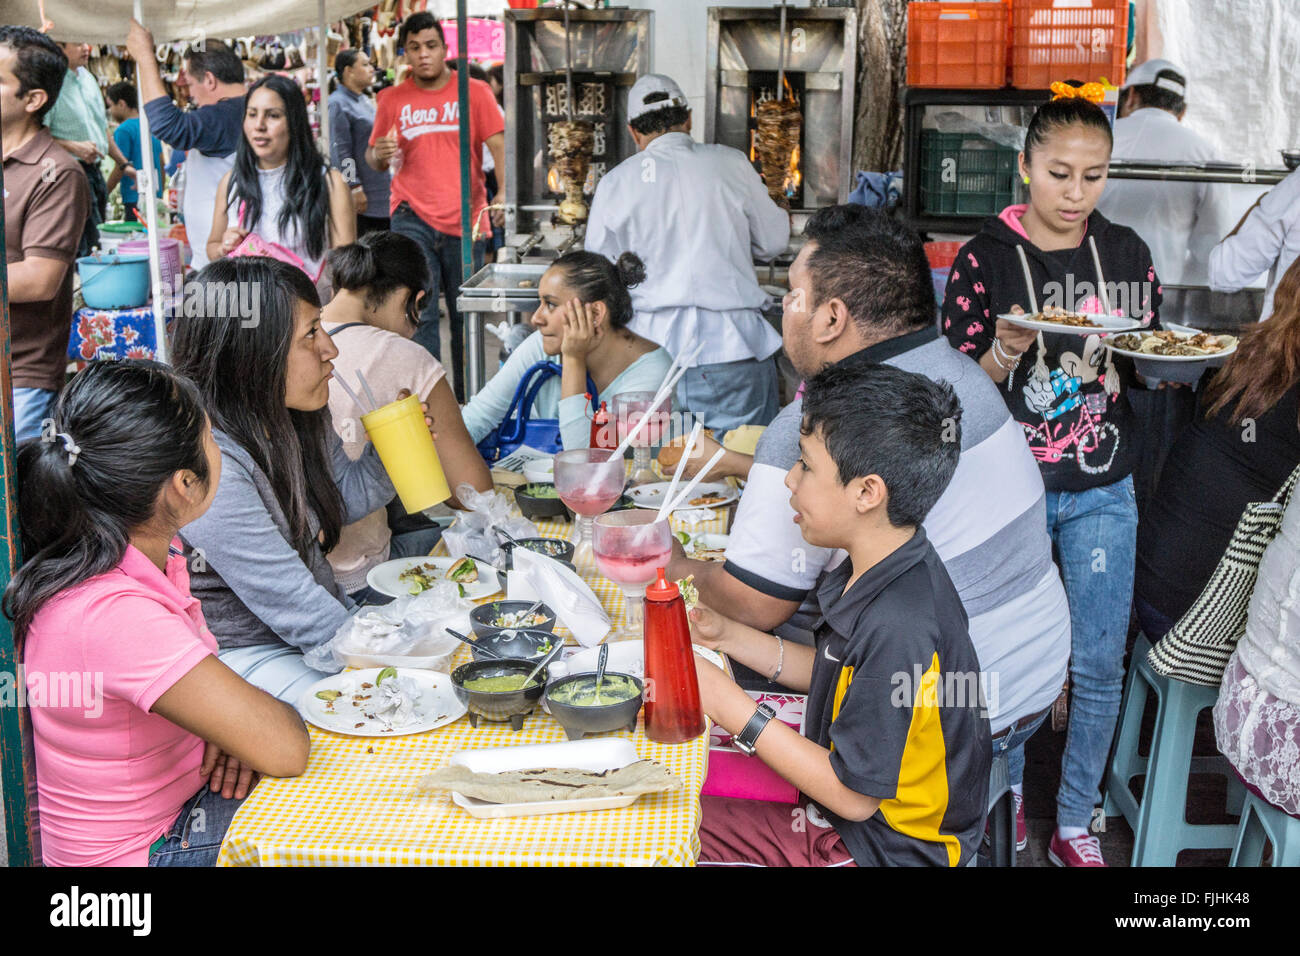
{"type": "Point", "coordinates": [504, 277]}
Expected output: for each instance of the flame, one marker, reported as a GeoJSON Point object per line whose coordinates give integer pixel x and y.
{"type": "Point", "coordinates": [793, 175]}
{"type": "Point", "coordinates": [787, 93]}
{"type": "Point", "coordinates": [553, 180]}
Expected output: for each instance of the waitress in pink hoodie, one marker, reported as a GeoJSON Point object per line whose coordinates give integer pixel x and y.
{"type": "Point", "coordinates": [1068, 393]}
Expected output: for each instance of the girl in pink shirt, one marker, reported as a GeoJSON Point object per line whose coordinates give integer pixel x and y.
{"type": "Point", "coordinates": [139, 731]}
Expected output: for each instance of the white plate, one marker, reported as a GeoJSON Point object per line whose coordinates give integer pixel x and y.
{"type": "Point", "coordinates": [1182, 330]}
{"type": "Point", "coordinates": [626, 657]}
{"type": "Point", "coordinates": [385, 578]}
{"type": "Point", "coordinates": [707, 542]}
{"type": "Point", "coordinates": [437, 699]}
{"type": "Point", "coordinates": [540, 471]}
{"type": "Point", "coordinates": [652, 495]}
{"type": "Point", "coordinates": [605, 753]}
{"type": "Point", "coordinates": [1109, 324]}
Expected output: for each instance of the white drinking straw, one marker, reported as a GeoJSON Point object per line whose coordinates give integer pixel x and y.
{"type": "Point", "coordinates": [1101, 281]}
{"type": "Point", "coordinates": [686, 493]}
{"type": "Point", "coordinates": [351, 394]}
{"type": "Point", "coordinates": [1029, 280]}
{"type": "Point", "coordinates": [366, 385]}
{"type": "Point", "coordinates": [681, 465]}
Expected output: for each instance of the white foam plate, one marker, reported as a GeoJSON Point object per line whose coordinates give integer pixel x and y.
{"type": "Point", "coordinates": [437, 699]}
{"type": "Point", "coordinates": [1217, 357]}
{"type": "Point", "coordinates": [652, 495]}
{"type": "Point", "coordinates": [603, 753]}
{"type": "Point", "coordinates": [386, 578]}
{"type": "Point", "coordinates": [626, 657]}
{"type": "Point", "coordinates": [1109, 324]}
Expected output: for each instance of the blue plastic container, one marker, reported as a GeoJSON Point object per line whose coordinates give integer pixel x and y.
{"type": "Point", "coordinates": [114, 281]}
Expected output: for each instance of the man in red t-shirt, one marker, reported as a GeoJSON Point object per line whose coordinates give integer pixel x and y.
{"type": "Point", "coordinates": [417, 134]}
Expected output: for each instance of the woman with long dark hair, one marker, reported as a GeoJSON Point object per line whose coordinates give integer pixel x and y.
{"type": "Point", "coordinates": [280, 188]}
{"type": "Point", "coordinates": [1242, 445]}
{"type": "Point", "coordinates": [136, 723]}
{"type": "Point", "coordinates": [253, 344]}
{"type": "Point", "coordinates": [380, 281]}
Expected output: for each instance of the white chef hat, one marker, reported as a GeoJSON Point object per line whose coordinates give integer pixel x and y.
{"type": "Point", "coordinates": [653, 83]}
{"type": "Point", "coordinates": [1162, 73]}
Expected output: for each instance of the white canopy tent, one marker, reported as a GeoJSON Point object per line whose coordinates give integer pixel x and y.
{"type": "Point", "coordinates": [189, 21]}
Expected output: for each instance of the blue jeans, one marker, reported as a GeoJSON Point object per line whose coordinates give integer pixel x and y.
{"type": "Point", "coordinates": [731, 394]}
{"type": "Point", "coordinates": [31, 407]}
{"type": "Point", "coordinates": [442, 252]}
{"type": "Point", "coordinates": [1012, 743]}
{"type": "Point", "coordinates": [195, 837]}
{"type": "Point", "coordinates": [1095, 532]}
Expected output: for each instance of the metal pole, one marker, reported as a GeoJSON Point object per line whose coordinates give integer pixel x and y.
{"type": "Point", "coordinates": [145, 191]}
{"type": "Point", "coordinates": [780, 68]}
{"type": "Point", "coordinates": [322, 82]}
{"type": "Point", "coordinates": [568, 62]}
{"type": "Point", "coordinates": [17, 763]}
{"type": "Point", "coordinates": [469, 320]}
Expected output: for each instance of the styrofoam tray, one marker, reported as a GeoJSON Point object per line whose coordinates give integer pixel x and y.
{"type": "Point", "coordinates": [602, 753]}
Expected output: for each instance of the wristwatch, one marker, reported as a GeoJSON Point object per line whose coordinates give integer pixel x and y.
{"type": "Point", "coordinates": [747, 740]}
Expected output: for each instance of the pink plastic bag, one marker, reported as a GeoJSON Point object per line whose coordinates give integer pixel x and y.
{"type": "Point", "coordinates": [255, 245]}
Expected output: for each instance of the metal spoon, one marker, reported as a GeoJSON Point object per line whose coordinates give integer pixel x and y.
{"type": "Point", "coordinates": [601, 661]}
{"type": "Point", "coordinates": [475, 644]}
{"type": "Point", "coordinates": [487, 562]}
{"type": "Point", "coordinates": [559, 645]}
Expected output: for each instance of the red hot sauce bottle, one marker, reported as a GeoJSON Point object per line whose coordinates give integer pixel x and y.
{"type": "Point", "coordinates": [602, 430]}
{"type": "Point", "coordinates": [672, 710]}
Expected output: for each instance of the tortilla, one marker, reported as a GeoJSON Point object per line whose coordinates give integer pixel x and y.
{"type": "Point", "coordinates": [531, 786]}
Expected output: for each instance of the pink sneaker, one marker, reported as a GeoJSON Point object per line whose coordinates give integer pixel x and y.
{"type": "Point", "coordinates": [1022, 837]}
{"type": "Point", "coordinates": [1081, 851]}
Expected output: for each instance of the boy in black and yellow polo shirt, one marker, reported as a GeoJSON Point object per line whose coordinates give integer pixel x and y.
{"type": "Point", "coordinates": [897, 753]}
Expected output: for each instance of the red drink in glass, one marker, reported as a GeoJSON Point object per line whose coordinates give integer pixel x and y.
{"type": "Point", "coordinates": [589, 481]}
{"type": "Point", "coordinates": [629, 547]}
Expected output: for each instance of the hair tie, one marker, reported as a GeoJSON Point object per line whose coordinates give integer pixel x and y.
{"type": "Point", "coordinates": [70, 446]}
{"type": "Point", "coordinates": [1092, 92]}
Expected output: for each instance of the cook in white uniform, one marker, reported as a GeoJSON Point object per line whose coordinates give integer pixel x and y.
{"type": "Point", "coordinates": [1267, 238]}
{"type": "Point", "coordinates": [698, 215]}
{"type": "Point", "coordinates": [1180, 222]}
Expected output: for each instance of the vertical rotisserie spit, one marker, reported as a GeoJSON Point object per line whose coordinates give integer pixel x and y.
{"type": "Point", "coordinates": [779, 123]}
{"type": "Point", "coordinates": [571, 144]}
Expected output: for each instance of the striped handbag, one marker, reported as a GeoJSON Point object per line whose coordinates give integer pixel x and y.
{"type": "Point", "coordinates": [1197, 648]}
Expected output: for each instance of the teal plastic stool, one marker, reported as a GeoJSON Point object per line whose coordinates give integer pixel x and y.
{"type": "Point", "coordinates": [1260, 820]}
{"type": "Point", "coordinates": [1159, 817]}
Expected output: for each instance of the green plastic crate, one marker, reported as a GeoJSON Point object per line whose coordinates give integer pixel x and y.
{"type": "Point", "coordinates": [964, 174]}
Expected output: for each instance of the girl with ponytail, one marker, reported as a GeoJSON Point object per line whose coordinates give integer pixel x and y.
{"type": "Point", "coordinates": [136, 723]}
{"type": "Point", "coordinates": [379, 283]}
{"type": "Point", "coordinates": [583, 317]}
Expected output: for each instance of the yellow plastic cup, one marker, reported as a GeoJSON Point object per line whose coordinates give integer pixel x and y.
{"type": "Point", "coordinates": [401, 437]}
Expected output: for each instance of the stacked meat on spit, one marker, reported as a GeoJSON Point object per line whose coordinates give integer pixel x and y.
{"type": "Point", "coordinates": [779, 123]}
{"type": "Point", "coordinates": [571, 146]}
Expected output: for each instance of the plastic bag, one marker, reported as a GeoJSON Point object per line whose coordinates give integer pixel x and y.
{"type": "Point", "coordinates": [475, 530]}
{"type": "Point", "coordinates": [409, 632]}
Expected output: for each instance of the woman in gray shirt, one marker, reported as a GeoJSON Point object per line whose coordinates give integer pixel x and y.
{"type": "Point", "coordinates": [249, 336]}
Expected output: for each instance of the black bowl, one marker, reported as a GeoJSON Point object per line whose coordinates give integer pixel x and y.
{"type": "Point", "coordinates": [531, 644]}
{"type": "Point", "coordinates": [556, 548]}
{"type": "Point", "coordinates": [624, 503]}
{"type": "Point", "coordinates": [534, 507]}
{"type": "Point", "coordinates": [498, 706]}
{"type": "Point", "coordinates": [578, 720]}
{"type": "Point", "coordinates": [482, 616]}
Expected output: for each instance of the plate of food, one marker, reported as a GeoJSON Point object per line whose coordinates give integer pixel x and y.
{"type": "Point", "coordinates": [1174, 343]}
{"type": "Point", "coordinates": [409, 576]}
{"type": "Point", "coordinates": [381, 702]}
{"type": "Point", "coordinates": [627, 657]}
{"type": "Point", "coordinates": [1052, 319]}
{"type": "Point", "coordinates": [535, 779]}
{"type": "Point", "coordinates": [704, 545]}
{"type": "Point", "coordinates": [707, 494]}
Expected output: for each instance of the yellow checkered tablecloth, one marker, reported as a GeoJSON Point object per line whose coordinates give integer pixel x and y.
{"type": "Point", "coordinates": [357, 805]}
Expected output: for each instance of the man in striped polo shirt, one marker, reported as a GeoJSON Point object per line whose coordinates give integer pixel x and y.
{"type": "Point", "coordinates": [860, 288]}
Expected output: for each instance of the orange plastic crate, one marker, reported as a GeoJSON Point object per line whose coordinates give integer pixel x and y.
{"type": "Point", "coordinates": [960, 45]}
{"type": "Point", "coordinates": [1080, 40]}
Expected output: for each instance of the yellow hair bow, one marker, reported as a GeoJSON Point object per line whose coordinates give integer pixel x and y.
{"type": "Point", "coordinates": [1092, 92]}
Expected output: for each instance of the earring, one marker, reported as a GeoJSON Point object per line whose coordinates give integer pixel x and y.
{"type": "Point", "coordinates": [1026, 180]}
